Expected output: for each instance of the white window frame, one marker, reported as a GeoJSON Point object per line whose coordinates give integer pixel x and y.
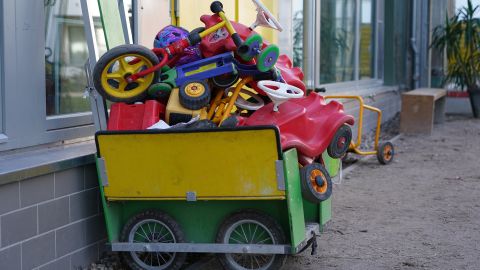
{"type": "Point", "coordinates": [22, 81]}
{"type": "Point", "coordinates": [3, 137]}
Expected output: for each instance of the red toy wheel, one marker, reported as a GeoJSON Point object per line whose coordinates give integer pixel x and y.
{"type": "Point", "coordinates": [316, 183]}
{"type": "Point", "coordinates": [340, 142]}
{"type": "Point", "coordinates": [385, 153]}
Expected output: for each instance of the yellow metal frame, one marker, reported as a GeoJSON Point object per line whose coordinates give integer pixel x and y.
{"type": "Point", "coordinates": [221, 106]}
{"type": "Point", "coordinates": [355, 146]}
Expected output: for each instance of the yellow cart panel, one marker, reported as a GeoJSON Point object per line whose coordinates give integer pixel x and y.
{"type": "Point", "coordinates": [191, 165]}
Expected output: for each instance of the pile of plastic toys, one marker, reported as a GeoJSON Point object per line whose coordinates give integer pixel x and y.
{"type": "Point", "coordinates": [222, 75]}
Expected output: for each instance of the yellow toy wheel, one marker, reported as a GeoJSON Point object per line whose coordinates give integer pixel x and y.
{"type": "Point", "coordinates": [115, 66]}
{"type": "Point", "coordinates": [194, 95]}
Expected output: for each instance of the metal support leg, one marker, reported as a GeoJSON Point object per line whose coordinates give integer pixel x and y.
{"type": "Point", "coordinates": [97, 103]}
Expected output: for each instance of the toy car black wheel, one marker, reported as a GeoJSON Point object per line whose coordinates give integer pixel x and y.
{"type": "Point", "coordinates": [194, 95]}
{"type": "Point", "coordinates": [251, 227]}
{"type": "Point", "coordinates": [225, 80]}
{"type": "Point", "coordinates": [315, 182]}
{"type": "Point", "coordinates": [340, 142]}
{"type": "Point", "coordinates": [385, 153]}
{"type": "Point", "coordinates": [152, 226]}
{"type": "Point", "coordinates": [112, 69]}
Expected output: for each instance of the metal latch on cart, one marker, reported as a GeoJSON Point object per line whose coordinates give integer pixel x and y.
{"type": "Point", "coordinates": [280, 173]}
{"type": "Point", "coordinates": [102, 170]}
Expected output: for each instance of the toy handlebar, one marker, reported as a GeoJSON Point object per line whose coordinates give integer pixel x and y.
{"type": "Point", "coordinates": [193, 38]}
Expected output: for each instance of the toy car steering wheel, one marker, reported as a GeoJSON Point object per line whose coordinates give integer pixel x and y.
{"type": "Point", "coordinates": [279, 92]}
{"type": "Point", "coordinates": [243, 104]}
{"type": "Point", "coordinates": [265, 17]}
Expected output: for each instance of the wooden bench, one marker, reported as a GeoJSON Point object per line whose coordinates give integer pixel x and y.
{"type": "Point", "coordinates": [421, 108]}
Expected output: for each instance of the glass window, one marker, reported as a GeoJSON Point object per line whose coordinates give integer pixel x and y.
{"type": "Point", "coordinates": [65, 56]}
{"type": "Point", "coordinates": [347, 41]}
{"type": "Point", "coordinates": [367, 39]}
{"type": "Point", "coordinates": [297, 33]}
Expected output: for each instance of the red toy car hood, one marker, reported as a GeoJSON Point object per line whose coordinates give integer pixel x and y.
{"type": "Point", "coordinates": [307, 124]}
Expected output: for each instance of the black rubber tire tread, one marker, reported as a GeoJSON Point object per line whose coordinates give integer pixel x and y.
{"type": "Point", "coordinates": [194, 103]}
{"type": "Point", "coordinates": [380, 156]}
{"type": "Point", "coordinates": [333, 150]}
{"type": "Point", "coordinates": [270, 223]}
{"type": "Point", "coordinates": [167, 220]}
{"type": "Point", "coordinates": [308, 193]}
{"type": "Point", "coordinates": [227, 81]}
{"type": "Point", "coordinates": [114, 53]}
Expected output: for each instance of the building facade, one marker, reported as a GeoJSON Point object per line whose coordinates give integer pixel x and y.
{"type": "Point", "coordinates": [50, 215]}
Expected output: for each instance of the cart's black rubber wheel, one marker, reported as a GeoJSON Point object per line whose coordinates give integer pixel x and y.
{"type": "Point", "coordinates": [112, 69]}
{"type": "Point", "coordinates": [194, 95]}
{"type": "Point", "coordinates": [225, 80]}
{"type": "Point", "coordinates": [251, 227]}
{"type": "Point", "coordinates": [340, 142]}
{"type": "Point", "coordinates": [315, 182]}
{"type": "Point", "coordinates": [385, 153]}
{"type": "Point", "coordinates": [152, 226]}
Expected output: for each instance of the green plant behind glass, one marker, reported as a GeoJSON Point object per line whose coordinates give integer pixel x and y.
{"type": "Point", "coordinates": [460, 38]}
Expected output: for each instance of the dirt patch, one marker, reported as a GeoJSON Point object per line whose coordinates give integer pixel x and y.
{"type": "Point", "coordinates": [420, 212]}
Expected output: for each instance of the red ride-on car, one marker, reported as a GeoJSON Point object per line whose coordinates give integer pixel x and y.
{"type": "Point", "coordinates": [310, 125]}
{"type": "Point", "coordinates": [306, 123]}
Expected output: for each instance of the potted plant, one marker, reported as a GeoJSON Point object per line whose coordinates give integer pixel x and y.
{"type": "Point", "coordinates": [460, 37]}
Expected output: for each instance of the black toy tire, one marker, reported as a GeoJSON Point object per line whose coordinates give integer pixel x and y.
{"type": "Point", "coordinates": [340, 142]}
{"type": "Point", "coordinates": [194, 102]}
{"type": "Point", "coordinates": [262, 221]}
{"type": "Point", "coordinates": [225, 80]}
{"type": "Point", "coordinates": [311, 191]}
{"type": "Point", "coordinates": [117, 52]}
{"type": "Point", "coordinates": [385, 153]}
{"type": "Point", "coordinates": [172, 226]}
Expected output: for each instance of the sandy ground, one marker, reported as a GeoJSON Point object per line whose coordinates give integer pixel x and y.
{"type": "Point", "coordinates": [420, 212]}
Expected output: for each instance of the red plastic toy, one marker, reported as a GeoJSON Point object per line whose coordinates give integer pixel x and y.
{"type": "Point", "coordinates": [135, 116]}
{"type": "Point", "coordinates": [308, 124]}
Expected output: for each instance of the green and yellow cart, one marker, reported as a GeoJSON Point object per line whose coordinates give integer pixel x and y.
{"type": "Point", "coordinates": [232, 192]}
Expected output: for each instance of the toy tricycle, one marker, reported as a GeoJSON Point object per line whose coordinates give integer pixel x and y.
{"type": "Point", "coordinates": [385, 150]}
{"type": "Point", "coordinates": [124, 73]}
{"type": "Point", "coordinates": [169, 193]}
{"type": "Point", "coordinates": [220, 71]}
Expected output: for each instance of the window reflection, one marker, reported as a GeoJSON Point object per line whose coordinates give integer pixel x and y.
{"type": "Point", "coordinates": [297, 26]}
{"type": "Point", "coordinates": [337, 31]}
{"type": "Point", "coordinates": [367, 50]}
{"type": "Point", "coordinates": [65, 56]}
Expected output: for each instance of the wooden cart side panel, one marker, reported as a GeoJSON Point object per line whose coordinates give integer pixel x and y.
{"type": "Point", "coordinates": [212, 164]}
{"type": "Point", "coordinates": [294, 198]}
